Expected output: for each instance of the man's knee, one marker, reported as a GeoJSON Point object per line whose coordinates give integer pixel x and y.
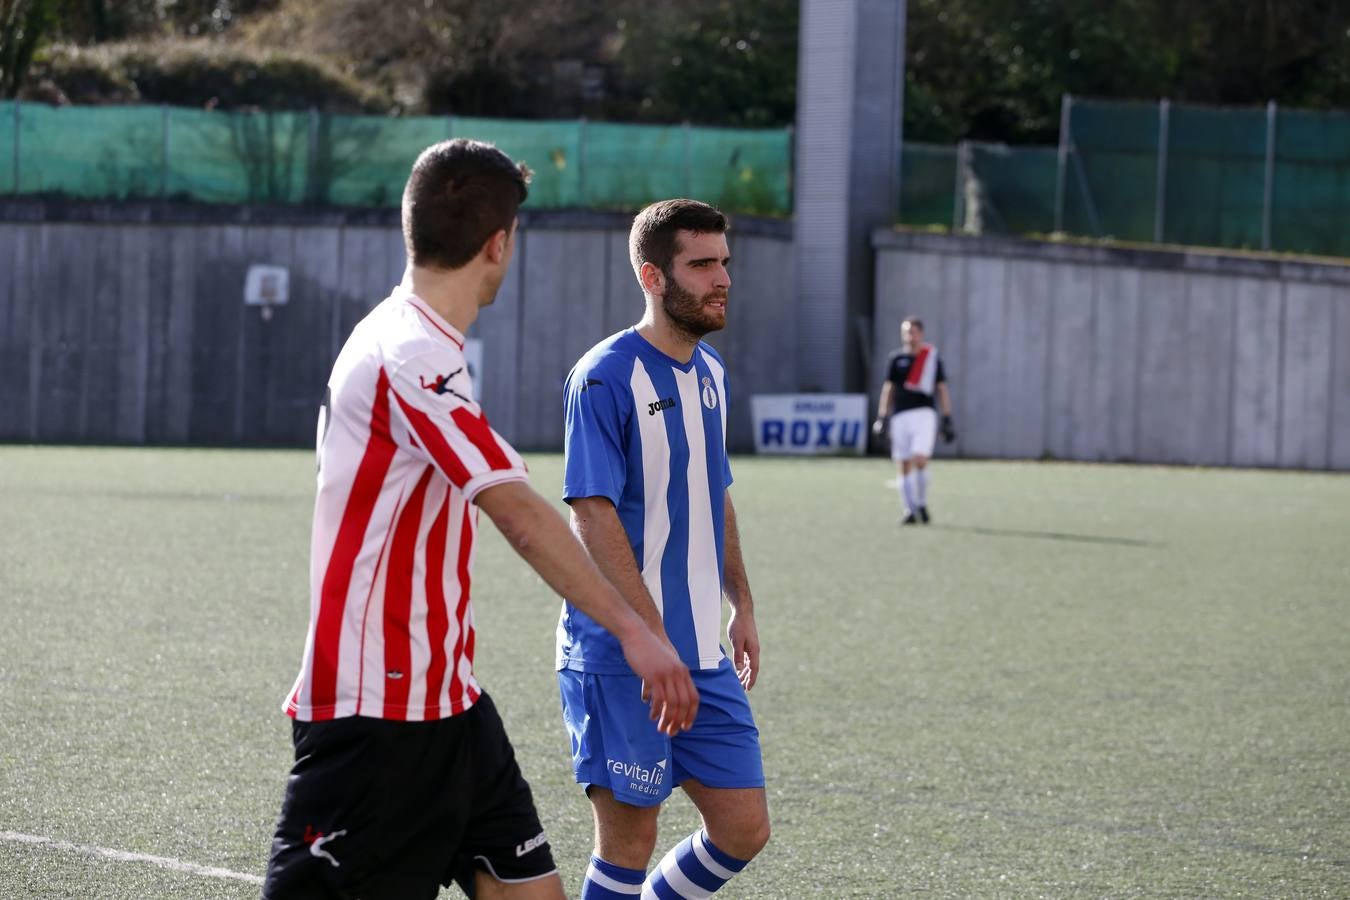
{"type": "Point", "coordinates": [742, 838]}
{"type": "Point", "coordinates": [737, 820]}
{"type": "Point", "coordinates": [625, 835]}
{"type": "Point", "coordinates": [906, 465]}
{"type": "Point", "coordinates": [920, 462]}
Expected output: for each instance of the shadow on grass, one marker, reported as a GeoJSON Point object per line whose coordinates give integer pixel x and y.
{"type": "Point", "coordinates": [1052, 536]}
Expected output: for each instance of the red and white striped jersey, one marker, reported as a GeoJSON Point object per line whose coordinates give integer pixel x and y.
{"type": "Point", "coordinates": [403, 449]}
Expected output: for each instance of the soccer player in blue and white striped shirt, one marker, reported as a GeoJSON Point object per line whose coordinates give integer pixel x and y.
{"type": "Point", "coordinates": [647, 477]}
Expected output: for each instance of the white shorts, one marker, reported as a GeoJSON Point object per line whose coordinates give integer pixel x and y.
{"type": "Point", "coordinates": [913, 433]}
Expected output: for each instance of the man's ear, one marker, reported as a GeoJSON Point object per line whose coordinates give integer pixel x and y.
{"type": "Point", "coordinates": [495, 247]}
{"type": "Point", "coordinates": [652, 278]}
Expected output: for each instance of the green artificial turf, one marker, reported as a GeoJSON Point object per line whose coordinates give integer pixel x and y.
{"type": "Point", "coordinates": [1080, 681]}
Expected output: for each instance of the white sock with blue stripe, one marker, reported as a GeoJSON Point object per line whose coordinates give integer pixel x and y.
{"type": "Point", "coordinates": [692, 870]}
{"type": "Point", "coordinates": [606, 881]}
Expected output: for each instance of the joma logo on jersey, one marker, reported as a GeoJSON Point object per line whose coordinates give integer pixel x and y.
{"type": "Point", "coordinates": [654, 408]}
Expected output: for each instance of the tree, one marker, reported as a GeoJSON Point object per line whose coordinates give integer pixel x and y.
{"type": "Point", "coordinates": [24, 25]}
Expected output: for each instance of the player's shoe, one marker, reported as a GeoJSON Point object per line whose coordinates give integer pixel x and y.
{"type": "Point", "coordinates": [909, 520]}
{"type": "Point", "coordinates": [923, 515]}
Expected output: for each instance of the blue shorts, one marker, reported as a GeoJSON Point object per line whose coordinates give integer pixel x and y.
{"type": "Point", "coordinates": [615, 743]}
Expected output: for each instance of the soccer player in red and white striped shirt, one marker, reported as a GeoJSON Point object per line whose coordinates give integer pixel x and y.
{"type": "Point", "coordinates": [404, 778]}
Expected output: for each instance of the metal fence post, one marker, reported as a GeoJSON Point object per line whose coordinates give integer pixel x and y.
{"type": "Point", "coordinates": [1062, 166]}
{"type": "Point", "coordinates": [164, 151]}
{"type": "Point", "coordinates": [1160, 183]}
{"type": "Point", "coordinates": [1268, 195]}
{"type": "Point", "coordinates": [581, 161]}
{"type": "Point", "coordinates": [959, 188]}
{"type": "Point", "coordinates": [312, 182]}
{"type": "Point", "coordinates": [17, 122]}
{"type": "Point", "coordinates": [688, 160]}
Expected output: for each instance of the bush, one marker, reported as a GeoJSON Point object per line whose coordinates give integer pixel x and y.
{"type": "Point", "coordinates": [200, 73]}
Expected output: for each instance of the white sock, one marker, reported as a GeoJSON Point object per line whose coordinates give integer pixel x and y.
{"type": "Point", "coordinates": [910, 490]}
{"type": "Point", "coordinates": [922, 487]}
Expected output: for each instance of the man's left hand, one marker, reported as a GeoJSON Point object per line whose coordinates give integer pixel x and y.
{"type": "Point", "coordinates": [948, 429]}
{"type": "Point", "coordinates": [744, 637]}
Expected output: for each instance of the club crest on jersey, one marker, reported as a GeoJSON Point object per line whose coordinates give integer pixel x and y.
{"type": "Point", "coordinates": [709, 393]}
{"type": "Point", "coordinates": [440, 384]}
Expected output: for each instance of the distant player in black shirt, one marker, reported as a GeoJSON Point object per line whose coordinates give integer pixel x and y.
{"type": "Point", "coordinates": [906, 414]}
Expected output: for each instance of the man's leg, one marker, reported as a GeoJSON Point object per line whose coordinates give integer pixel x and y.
{"type": "Point", "coordinates": [909, 490]}
{"type": "Point", "coordinates": [921, 486]}
{"type": "Point", "coordinates": [625, 836]}
{"type": "Point", "coordinates": [485, 887]}
{"type": "Point", "coordinates": [735, 829]}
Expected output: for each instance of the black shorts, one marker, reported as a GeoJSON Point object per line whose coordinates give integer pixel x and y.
{"type": "Point", "coordinates": [379, 809]}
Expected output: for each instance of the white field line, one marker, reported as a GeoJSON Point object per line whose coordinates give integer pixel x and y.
{"type": "Point", "coordinates": [124, 856]}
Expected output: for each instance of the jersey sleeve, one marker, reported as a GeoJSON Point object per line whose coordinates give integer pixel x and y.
{"type": "Point", "coordinates": [941, 375]}
{"type": "Point", "coordinates": [594, 463]}
{"type": "Point", "coordinates": [890, 369]}
{"type": "Point", "coordinates": [434, 396]}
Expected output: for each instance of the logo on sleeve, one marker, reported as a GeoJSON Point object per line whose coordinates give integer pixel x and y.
{"type": "Point", "coordinates": [440, 384]}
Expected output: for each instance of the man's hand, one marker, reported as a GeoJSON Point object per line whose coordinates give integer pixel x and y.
{"type": "Point", "coordinates": [948, 429]}
{"type": "Point", "coordinates": [666, 684]}
{"type": "Point", "coordinates": [879, 427]}
{"type": "Point", "coordinates": [744, 638]}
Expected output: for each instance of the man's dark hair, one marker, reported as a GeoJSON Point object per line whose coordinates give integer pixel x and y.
{"type": "Point", "coordinates": [460, 193]}
{"type": "Point", "coordinates": [652, 238]}
{"type": "Point", "coordinates": [913, 322]}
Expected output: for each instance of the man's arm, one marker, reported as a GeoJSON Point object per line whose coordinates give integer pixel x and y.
{"type": "Point", "coordinates": [534, 529]}
{"type": "Point", "coordinates": [944, 399]}
{"type": "Point", "coordinates": [741, 630]}
{"type": "Point", "coordinates": [883, 407]}
{"type": "Point", "coordinates": [596, 524]}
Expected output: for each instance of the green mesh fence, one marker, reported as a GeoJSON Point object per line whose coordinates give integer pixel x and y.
{"type": "Point", "coordinates": [1110, 178]}
{"type": "Point", "coordinates": [1215, 176]}
{"type": "Point", "coordinates": [927, 184]}
{"type": "Point", "coordinates": [1310, 208]}
{"type": "Point", "coordinates": [308, 157]}
{"type": "Point", "coordinates": [1229, 179]}
{"type": "Point", "coordinates": [1013, 190]}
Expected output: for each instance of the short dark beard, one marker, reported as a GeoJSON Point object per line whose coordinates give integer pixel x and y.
{"type": "Point", "coordinates": [685, 311]}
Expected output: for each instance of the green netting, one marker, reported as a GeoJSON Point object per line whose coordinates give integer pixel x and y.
{"type": "Point", "coordinates": [1110, 181]}
{"type": "Point", "coordinates": [364, 161]}
{"type": "Point", "coordinates": [8, 159]}
{"type": "Point", "coordinates": [927, 184]}
{"type": "Point", "coordinates": [1310, 208]}
{"type": "Point", "coordinates": [258, 157]}
{"type": "Point", "coordinates": [93, 152]}
{"type": "Point", "coordinates": [1215, 176]}
{"type": "Point", "coordinates": [736, 168]}
{"type": "Point", "coordinates": [1016, 188]}
{"type": "Point", "coordinates": [623, 164]}
{"type": "Point", "coordinates": [551, 148]}
{"type": "Point", "coordinates": [309, 157]}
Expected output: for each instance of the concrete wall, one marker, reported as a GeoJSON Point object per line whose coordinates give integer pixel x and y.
{"type": "Point", "coordinates": [127, 324]}
{"type": "Point", "coordinates": [1102, 354]}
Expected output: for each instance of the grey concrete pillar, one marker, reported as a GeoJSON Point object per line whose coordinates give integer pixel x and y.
{"type": "Point", "coordinates": [850, 92]}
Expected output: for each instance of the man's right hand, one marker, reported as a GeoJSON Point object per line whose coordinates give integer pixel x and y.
{"type": "Point", "coordinates": [666, 684]}
{"type": "Point", "coordinates": [879, 427]}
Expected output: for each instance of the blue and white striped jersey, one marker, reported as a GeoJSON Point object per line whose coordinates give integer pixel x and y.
{"type": "Point", "coordinates": [649, 434]}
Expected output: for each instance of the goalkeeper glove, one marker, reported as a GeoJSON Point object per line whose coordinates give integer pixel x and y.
{"type": "Point", "coordinates": [948, 429]}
